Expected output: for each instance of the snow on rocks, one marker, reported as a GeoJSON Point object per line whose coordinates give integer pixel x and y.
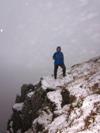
{"type": "Point", "coordinates": [68, 105]}
{"type": "Point", "coordinates": [57, 124]}
{"type": "Point", "coordinates": [55, 96]}
{"type": "Point", "coordinates": [18, 106]}
{"type": "Point", "coordinates": [44, 118]}
{"type": "Point", "coordinates": [89, 101]}
{"type": "Point", "coordinates": [88, 115]}
{"type": "Point", "coordinates": [83, 115]}
{"type": "Point", "coordinates": [30, 94]}
{"type": "Point", "coordinates": [79, 90]}
{"type": "Point", "coordinates": [50, 82]}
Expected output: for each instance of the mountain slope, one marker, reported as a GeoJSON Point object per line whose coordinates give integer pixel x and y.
{"type": "Point", "coordinates": [66, 105]}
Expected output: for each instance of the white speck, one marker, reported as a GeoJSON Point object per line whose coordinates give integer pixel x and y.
{"type": "Point", "coordinates": [1, 30]}
{"type": "Point", "coordinates": [30, 94]}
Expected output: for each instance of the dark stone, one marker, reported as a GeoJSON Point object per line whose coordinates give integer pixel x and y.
{"type": "Point", "coordinates": [81, 86]}
{"type": "Point", "coordinates": [38, 85]}
{"type": "Point", "coordinates": [95, 88]}
{"type": "Point", "coordinates": [18, 99]}
{"type": "Point", "coordinates": [72, 98]}
{"type": "Point", "coordinates": [37, 99]}
{"type": "Point", "coordinates": [27, 115]}
{"type": "Point", "coordinates": [30, 87]}
{"type": "Point", "coordinates": [16, 122]}
{"type": "Point", "coordinates": [32, 107]}
{"type": "Point", "coordinates": [65, 97]}
{"type": "Point", "coordinates": [39, 127]}
{"type": "Point", "coordinates": [25, 89]}
{"type": "Point", "coordinates": [49, 89]}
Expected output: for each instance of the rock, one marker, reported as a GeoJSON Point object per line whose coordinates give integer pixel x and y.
{"type": "Point", "coordinates": [40, 100]}
{"type": "Point", "coordinates": [65, 97]}
{"type": "Point", "coordinates": [15, 122]}
{"type": "Point", "coordinates": [25, 89]}
{"type": "Point", "coordinates": [37, 99]}
{"type": "Point", "coordinates": [18, 99]}
{"type": "Point", "coordinates": [27, 114]}
{"type": "Point", "coordinates": [66, 105]}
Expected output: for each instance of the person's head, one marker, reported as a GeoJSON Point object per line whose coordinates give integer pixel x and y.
{"type": "Point", "coordinates": [58, 49]}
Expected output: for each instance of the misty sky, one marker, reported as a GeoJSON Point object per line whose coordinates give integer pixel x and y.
{"type": "Point", "coordinates": [30, 30]}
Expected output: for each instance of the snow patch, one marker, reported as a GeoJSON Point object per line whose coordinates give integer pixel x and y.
{"type": "Point", "coordinates": [18, 106]}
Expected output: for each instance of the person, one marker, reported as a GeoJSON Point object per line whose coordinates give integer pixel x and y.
{"type": "Point", "coordinates": [59, 61]}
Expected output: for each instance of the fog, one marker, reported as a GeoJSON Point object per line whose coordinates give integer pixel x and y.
{"type": "Point", "coordinates": [30, 31]}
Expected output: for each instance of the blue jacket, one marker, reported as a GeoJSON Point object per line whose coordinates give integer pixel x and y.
{"type": "Point", "coordinates": [58, 58]}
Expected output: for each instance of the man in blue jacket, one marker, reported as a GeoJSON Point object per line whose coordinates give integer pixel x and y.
{"type": "Point", "coordinates": [59, 61]}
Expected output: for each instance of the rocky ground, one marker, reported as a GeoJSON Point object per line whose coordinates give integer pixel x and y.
{"type": "Point", "coordinates": [66, 105]}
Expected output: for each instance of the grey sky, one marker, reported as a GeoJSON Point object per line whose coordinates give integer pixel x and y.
{"type": "Point", "coordinates": [30, 30]}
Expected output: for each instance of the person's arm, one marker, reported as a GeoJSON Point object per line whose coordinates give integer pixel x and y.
{"type": "Point", "coordinates": [53, 56]}
{"type": "Point", "coordinates": [63, 56]}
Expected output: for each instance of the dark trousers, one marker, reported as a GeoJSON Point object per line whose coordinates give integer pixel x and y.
{"type": "Point", "coordinates": [56, 68]}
